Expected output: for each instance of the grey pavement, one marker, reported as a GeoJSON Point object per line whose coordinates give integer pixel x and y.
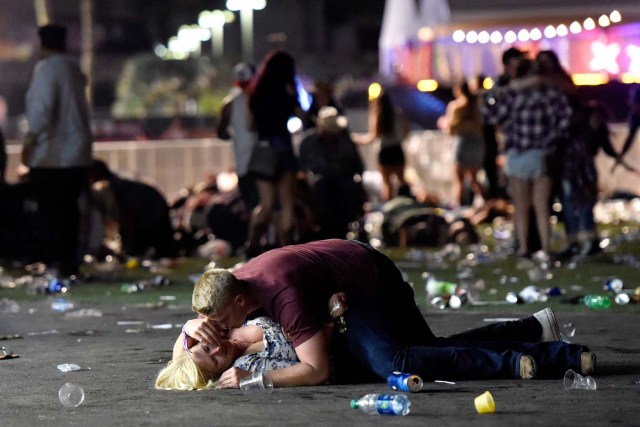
{"type": "Point", "coordinates": [120, 362]}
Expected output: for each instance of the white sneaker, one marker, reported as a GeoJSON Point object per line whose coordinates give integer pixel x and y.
{"type": "Point", "coordinates": [550, 330]}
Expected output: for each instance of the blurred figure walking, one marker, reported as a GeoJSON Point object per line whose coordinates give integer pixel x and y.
{"type": "Point", "coordinates": [388, 127]}
{"type": "Point", "coordinates": [57, 147]}
{"type": "Point", "coordinates": [463, 122]}
{"type": "Point", "coordinates": [273, 100]}
{"type": "Point", "coordinates": [234, 124]}
{"type": "Point", "coordinates": [535, 117]}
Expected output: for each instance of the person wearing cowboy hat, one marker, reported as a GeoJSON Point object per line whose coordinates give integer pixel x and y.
{"type": "Point", "coordinates": [332, 166]}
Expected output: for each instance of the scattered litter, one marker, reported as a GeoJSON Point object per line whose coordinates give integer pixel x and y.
{"type": "Point", "coordinates": [130, 322]}
{"type": "Point", "coordinates": [49, 332]}
{"type": "Point", "coordinates": [485, 404]}
{"type": "Point", "coordinates": [167, 298]}
{"type": "Point", "coordinates": [568, 330]}
{"type": "Point", "coordinates": [84, 312]}
{"type": "Point", "coordinates": [444, 382]}
{"type": "Point", "coordinates": [162, 326]}
{"type": "Point", "coordinates": [61, 305]}
{"type": "Point", "coordinates": [9, 306]}
{"type": "Point", "coordinates": [7, 353]}
{"type": "Point", "coordinates": [10, 337]}
{"type": "Point", "coordinates": [71, 395]}
{"type": "Point", "coordinates": [69, 367]}
{"type": "Point", "coordinates": [405, 382]}
{"type": "Point", "coordinates": [82, 333]}
{"type": "Point", "coordinates": [531, 294]}
{"type": "Point", "coordinates": [499, 319]}
{"type": "Point", "coordinates": [575, 381]}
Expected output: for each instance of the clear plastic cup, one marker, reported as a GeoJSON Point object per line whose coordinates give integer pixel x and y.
{"type": "Point", "coordinates": [485, 403]}
{"type": "Point", "coordinates": [575, 381]}
{"type": "Point", "coordinates": [259, 382]}
{"type": "Point", "coordinates": [71, 395]}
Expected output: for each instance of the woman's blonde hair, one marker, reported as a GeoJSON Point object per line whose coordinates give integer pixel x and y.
{"type": "Point", "coordinates": [182, 373]}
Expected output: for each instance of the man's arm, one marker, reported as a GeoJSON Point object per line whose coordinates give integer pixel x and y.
{"type": "Point", "coordinates": [225, 119]}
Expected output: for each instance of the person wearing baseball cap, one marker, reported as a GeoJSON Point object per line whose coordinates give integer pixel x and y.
{"type": "Point", "coordinates": [234, 125]}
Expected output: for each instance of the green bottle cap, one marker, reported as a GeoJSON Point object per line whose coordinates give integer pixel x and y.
{"type": "Point", "coordinates": [354, 404]}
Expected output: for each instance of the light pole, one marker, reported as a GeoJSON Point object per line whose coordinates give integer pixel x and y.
{"type": "Point", "coordinates": [215, 20]}
{"type": "Point", "coordinates": [192, 37]}
{"type": "Point", "coordinates": [246, 8]}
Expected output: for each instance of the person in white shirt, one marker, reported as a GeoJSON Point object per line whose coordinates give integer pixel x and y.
{"type": "Point", "coordinates": [58, 147]}
{"type": "Point", "coordinates": [234, 124]}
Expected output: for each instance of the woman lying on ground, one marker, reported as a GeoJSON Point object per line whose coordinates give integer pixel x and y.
{"type": "Point", "coordinates": [259, 345]}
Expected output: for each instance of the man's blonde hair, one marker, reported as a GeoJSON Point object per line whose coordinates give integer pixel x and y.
{"type": "Point", "coordinates": [214, 291]}
{"type": "Point", "coordinates": [182, 373]}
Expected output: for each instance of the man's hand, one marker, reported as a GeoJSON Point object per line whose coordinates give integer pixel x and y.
{"type": "Point", "coordinates": [205, 330]}
{"type": "Point", "coordinates": [337, 304]}
{"type": "Point", "coordinates": [27, 148]}
{"type": "Point", "coordinates": [231, 378]}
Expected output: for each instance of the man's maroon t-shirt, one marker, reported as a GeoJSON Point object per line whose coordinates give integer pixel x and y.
{"type": "Point", "coordinates": [294, 283]}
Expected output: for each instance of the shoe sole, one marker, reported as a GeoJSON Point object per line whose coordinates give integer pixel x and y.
{"type": "Point", "coordinates": [530, 372]}
{"type": "Point", "coordinates": [588, 363]}
{"type": "Point", "coordinates": [550, 330]}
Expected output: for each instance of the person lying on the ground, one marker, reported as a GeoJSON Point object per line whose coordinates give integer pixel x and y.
{"type": "Point", "coordinates": [258, 345]}
{"type": "Point", "coordinates": [385, 331]}
{"type": "Point", "coordinates": [135, 211]}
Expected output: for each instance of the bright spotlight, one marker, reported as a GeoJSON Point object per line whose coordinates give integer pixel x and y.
{"type": "Point", "coordinates": [523, 35]}
{"type": "Point", "coordinates": [575, 27]}
{"type": "Point", "coordinates": [550, 32]}
{"type": "Point", "coordinates": [375, 89]}
{"type": "Point", "coordinates": [535, 34]}
{"type": "Point", "coordinates": [496, 37]}
{"type": "Point", "coordinates": [458, 36]}
{"type": "Point", "coordinates": [472, 37]}
{"type": "Point", "coordinates": [510, 37]}
{"type": "Point", "coordinates": [562, 30]}
{"type": "Point", "coordinates": [589, 24]}
{"type": "Point", "coordinates": [615, 17]}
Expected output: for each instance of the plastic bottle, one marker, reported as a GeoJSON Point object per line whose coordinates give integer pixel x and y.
{"type": "Point", "coordinates": [383, 404]}
{"type": "Point", "coordinates": [129, 288]}
{"type": "Point", "coordinates": [597, 302]}
{"type": "Point", "coordinates": [434, 286]}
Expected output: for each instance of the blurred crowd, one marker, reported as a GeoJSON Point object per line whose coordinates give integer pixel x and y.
{"type": "Point", "coordinates": [519, 146]}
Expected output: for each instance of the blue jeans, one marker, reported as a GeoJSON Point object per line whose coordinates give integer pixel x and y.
{"type": "Point", "coordinates": [386, 332]}
{"type": "Point", "coordinates": [578, 214]}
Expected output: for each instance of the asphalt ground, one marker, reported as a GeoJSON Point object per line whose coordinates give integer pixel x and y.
{"type": "Point", "coordinates": [121, 352]}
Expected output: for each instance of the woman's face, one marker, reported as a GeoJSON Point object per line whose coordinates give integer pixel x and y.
{"type": "Point", "coordinates": [213, 360]}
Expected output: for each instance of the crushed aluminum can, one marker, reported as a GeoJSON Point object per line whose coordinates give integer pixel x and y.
{"type": "Point", "coordinates": [410, 383]}
{"type": "Point", "coordinates": [613, 285]}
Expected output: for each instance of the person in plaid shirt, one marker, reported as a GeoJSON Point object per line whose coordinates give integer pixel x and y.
{"type": "Point", "coordinates": [534, 117]}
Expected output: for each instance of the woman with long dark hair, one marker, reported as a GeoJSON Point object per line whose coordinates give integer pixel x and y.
{"type": "Point", "coordinates": [273, 99]}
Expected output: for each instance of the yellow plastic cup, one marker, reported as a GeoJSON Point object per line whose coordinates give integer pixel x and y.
{"type": "Point", "coordinates": [485, 404]}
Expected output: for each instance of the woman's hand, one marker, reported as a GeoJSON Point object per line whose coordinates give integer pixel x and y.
{"type": "Point", "coordinates": [231, 378]}
{"type": "Point", "coordinates": [337, 304]}
{"type": "Point", "coordinates": [205, 330]}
